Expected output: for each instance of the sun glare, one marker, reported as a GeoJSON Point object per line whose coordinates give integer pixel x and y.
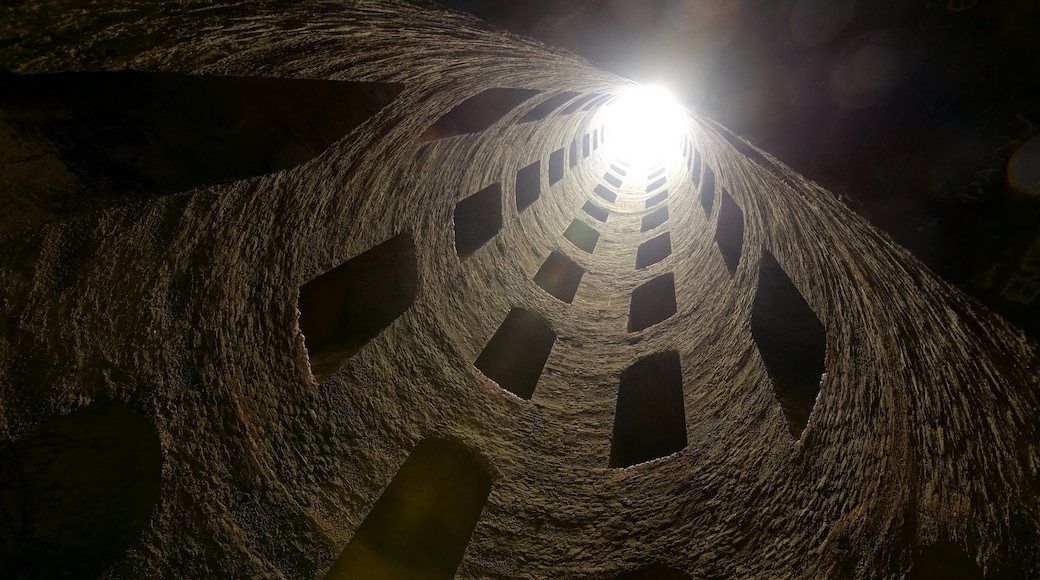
{"type": "Point", "coordinates": [645, 125]}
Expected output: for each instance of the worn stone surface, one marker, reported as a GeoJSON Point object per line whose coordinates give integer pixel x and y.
{"type": "Point", "coordinates": [184, 308]}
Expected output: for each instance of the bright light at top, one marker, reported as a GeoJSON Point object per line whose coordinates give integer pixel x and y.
{"type": "Point", "coordinates": [645, 127]}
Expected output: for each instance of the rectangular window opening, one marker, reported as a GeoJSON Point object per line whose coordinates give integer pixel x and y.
{"type": "Point", "coordinates": [656, 199]}
{"type": "Point", "coordinates": [654, 219]}
{"type": "Point", "coordinates": [478, 218]}
{"type": "Point", "coordinates": [574, 154]}
{"type": "Point", "coordinates": [656, 174]}
{"type": "Point", "coordinates": [611, 179]}
{"type": "Point", "coordinates": [653, 251]}
{"type": "Point", "coordinates": [596, 211]}
{"type": "Point", "coordinates": [652, 303]}
{"type": "Point", "coordinates": [792, 342]}
{"type": "Point", "coordinates": [586, 143]}
{"type": "Point", "coordinates": [696, 177]}
{"type": "Point", "coordinates": [516, 354]}
{"type": "Point", "coordinates": [559, 276]}
{"type": "Point", "coordinates": [528, 185]}
{"type": "Point", "coordinates": [729, 233]}
{"type": "Point", "coordinates": [618, 170]}
{"type": "Point", "coordinates": [708, 191]}
{"type": "Point", "coordinates": [556, 166]}
{"type": "Point", "coordinates": [573, 107]}
{"type": "Point", "coordinates": [659, 183]}
{"type": "Point", "coordinates": [421, 524]}
{"type": "Point", "coordinates": [650, 418]}
{"type": "Point", "coordinates": [476, 114]}
{"type": "Point", "coordinates": [543, 109]}
{"type": "Point", "coordinates": [581, 235]}
{"type": "Point", "coordinates": [344, 308]}
{"type": "Point", "coordinates": [605, 193]}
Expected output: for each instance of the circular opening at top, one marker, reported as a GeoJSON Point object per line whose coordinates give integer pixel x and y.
{"type": "Point", "coordinates": [646, 127]}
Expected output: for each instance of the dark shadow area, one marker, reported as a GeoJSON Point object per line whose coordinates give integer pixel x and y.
{"type": "Point", "coordinates": [791, 340]}
{"type": "Point", "coordinates": [654, 219]}
{"type": "Point", "coordinates": [612, 179]}
{"type": "Point", "coordinates": [586, 145]}
{"type": "Point", "coordinates": [573, 107]}
{"type": "Point", "coordinates": [347, 306]}
{"type": "Point", "coordinates": [596, 211]}
{"type": "Point", "coordinates": [729, 235]}
{"type": "Point", "coordinates": [656, 199]}
{"type": "Point", "coordinates": [618, 170]}
{"type": "Point", "coordinates": [605, 193]}
{"type": "Point", "coordinates": [650, 419]}
{"type": "Point", "coordinates": [659, 183]}
{"type": "Point", "coordinates": [556, 166]}
{"type": "Point", "coordinates": [708, 191]}
{"type": "Point", "coordinates": [595, 139]}
{"type": "Point", "coordinates": [654, 572]}
{"type": "Point", "coordinates": [421, 524]}
{"type": "Point", "coordinates": [696, 175]}
{"type": "Point", "coordinates": [559, 276]}
{"type": "Point", "coordinates": [515, 356]}
{"type": "Point", "coordinates": [76, 492]}
{"type": "Point", "coordinates": [90, 140]}
{"type": "Point", "coordinates": [596, 102]}
{"type": "Point", "coordinates": [543, 109]}
{"type": "Point", "coordinates": [656, 173]}
{"type": "Point", "coordinates": [653, 251]}
{"type": "Point", "coordinates": [581, 235]}
{"type": "Point", "coordinates": [476, 113]}
{"type": "Point", "coordinates": [477, 219]}
{"type": "Point", "coordinates": [944, 561]}
{"type": "Point", "coordinates": [652, 303]}
{"type": "Point", "coordinates": [573, 154]}
{"type": "Point", "coordinates": [528, 185]}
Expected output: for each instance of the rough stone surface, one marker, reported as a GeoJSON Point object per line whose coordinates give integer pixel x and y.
{"type": "Point", "coordinates": [184, 308]}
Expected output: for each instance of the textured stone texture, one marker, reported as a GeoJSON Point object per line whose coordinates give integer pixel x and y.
{"type": "Point", "coordinates": [185, 309]}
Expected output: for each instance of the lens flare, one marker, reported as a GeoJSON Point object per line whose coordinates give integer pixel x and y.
{"type": "Point", "coordinates": [646, 126]}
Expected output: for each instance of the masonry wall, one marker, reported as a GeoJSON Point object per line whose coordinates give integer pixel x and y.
{"type": "Point", "coordinates": [184, 308]}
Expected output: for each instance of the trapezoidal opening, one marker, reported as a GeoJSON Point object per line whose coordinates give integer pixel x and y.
{"type": "Point", "coordinates": [708, 190]}
{"type": "Point", "coordinates": [729, 233]}
{"type": "Point", "coordinates": [654, 219]}
{"type": "Point", "coordinates": [76, 492]}
{"type": "Point", "coordinates": [573, 154]}
{"type": "Point", "coordinates": [650, 419]}
{"type": "Point", "coordinates": [516, 354]}
{"type": "Point", "coordinates": [528, 185]}
{"type": "Point", "coordinates": [544, 108]}
{"type": "Point", "coordinates": [791, 340]}
{"type": "Point", "coordinates": [595, 211]}
{"type": "Point", "coordinates": [652, 303]}
{"type": "Point", "coordinates": [420, 526]}
{"type": "Point", "coordinates": [612, 180]}
{"type": "Point", "coordinates": [653, 251]}
{"type": "Point", "coordinates": [581, 235]}
{"type": "Point", "coordinates": [478, 218]}
{"type": "Point", "coordinates": [556, 166]}
{"type": "Point", "coordinates": [476, 113]}
{"type": "Point", "coordinates": [559, 276]}
{"type": "Point", "coordinates": [344, 308]}
{"type": "Point", "coordinates": [604, 193]}
{"type": "Point", "coordinates": [656, 199]}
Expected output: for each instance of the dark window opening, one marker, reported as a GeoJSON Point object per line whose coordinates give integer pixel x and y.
{"type": "Point", "coordinates": [654, 572]}
{"type": "Point", "coordinates": [76, 492]}
{"type": "Point", "coordinates": [595, 139]}
{"type": "Point", "coordinates": [653, 251]}
{"type": "Point", "coordinates": [708, 190]}
{"type": "Point", "coordinates": [477, 219]}
{"type": "Point", "coordinates": [515, 356]}
{"type": "Point", "coordinates": [654, 219]}
{"type": "Point", "coordinates": [656, 199]}
{"type": "Point", "coordinates": [559, 276]}
{"type": "Point", "coordinates": [421, 524]}
{"type": "Point", "coordinates": [344, 308]}
{"type": "Point", "coordinates": [660, 182]}
{"type": "Point", "coordinates": [476, 113]}
{"type": "Point", "coordinates": [622, 162]}
{"type": "Point", "coordinates": [946, 561]}
{"type": "Point", "coordinates": [650, 420]}
{"type": "Point", "coordinates": [93, 140]}
{"type": "Point", "coordinates": [556, 166]}
{"type": "Point", "coordinates": [586, 143]}
{"type": "Point", "coordinates": [652, 303]}
{"type": "Point", "coordinates": [656, 173]}
{"type": "Point", "coordinates": [596, 102]}
{"type": "Point", "coordinates": [573, 107]}
{"type": "Point", "coordinates": [528, 185]}
{"type": "Point", "coordinates": [791, 340]}
{"type": "Point", "coordinates": [581, 235]}
{"type": "Point", "coordinates": [696, 176]}
{"type": "Point", "coordinates": [574, 154]}
{"type": "Point", "coordinates": [596, 211]}
{"type": "Point", "coordinates": [611, 179]}
{"type": "Point", "coordinates": [729, 235]}
{"type": "Point", "coordinates": [605, 193]}
{"type": "Point", "coordinates": [618, 170]}
{"type": "Point", "coordinates": [543, 109]}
